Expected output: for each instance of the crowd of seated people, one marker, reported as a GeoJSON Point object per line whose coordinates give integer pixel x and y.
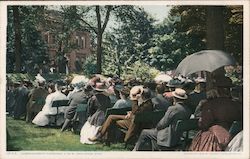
{"type": "Point", "coordinates": [214, 109]}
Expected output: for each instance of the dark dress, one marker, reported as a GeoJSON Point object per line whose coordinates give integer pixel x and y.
{"type": "Point", "coordinates": [98, 105]}
{"type": "Point", "coordinates": [217, 115]}
{"type": "Point", "coordinates": [36, 102]}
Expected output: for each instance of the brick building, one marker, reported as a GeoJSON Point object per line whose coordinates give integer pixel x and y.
{"type": "Point", "coordinates": [80, 39]}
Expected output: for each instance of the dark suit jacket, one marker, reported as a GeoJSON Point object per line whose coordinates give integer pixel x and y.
{"type": "Point", "coordinates": [166, 134]}
{"type": "Point", "coordinates": [77, 98]}
{"type": "Point", "coordinates": [37, 98]}
{"type": "Point", "coordinates": [137, 109]}
{"type": "Point", "coordinates": [21, 101]}
{"type": "Point", "coordinates": [160, 102]}
{"type": "Point", "coordinates": [36, 102]}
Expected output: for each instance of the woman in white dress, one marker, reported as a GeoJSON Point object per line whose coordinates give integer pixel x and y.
{"type": "Point", "coordinates": [42, 118]}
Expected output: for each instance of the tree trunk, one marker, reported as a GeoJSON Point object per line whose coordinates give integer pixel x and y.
{"type": "Point", "coordinates": [17, 44]}
{"type": "Point", "coordinates": [215, 36]}
{"type": "Point", "coordinates": [215, 28]}
{"type": "Point", "coordinates": [99, 54]}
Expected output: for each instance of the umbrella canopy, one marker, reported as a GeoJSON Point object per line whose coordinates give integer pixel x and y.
{"type": "Point", "coordinates": [162, 78]}
{"type": "Point", "coordinates": [206, 60]}
{"type": "Point", "coordinates": [79, 79]}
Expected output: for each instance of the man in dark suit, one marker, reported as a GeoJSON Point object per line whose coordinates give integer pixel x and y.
{"type": "Point", "coordinates": [36, 101]}
{"type": "Point", "coordinates": [81, 96]}
{"type": "Point", "coordinates": [164, 135]}
{"type": "Point", "coordinates": [21, 100]}
{"type": "Point", "coordinates": [141, 102]}
{"type": "Point", "coordinates": [159, 101]}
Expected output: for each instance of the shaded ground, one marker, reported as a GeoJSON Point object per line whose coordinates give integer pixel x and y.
{"type": "Point", "coordinates": [28, 137]}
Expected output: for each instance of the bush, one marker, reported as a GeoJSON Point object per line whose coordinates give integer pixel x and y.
{"type": "Point", "coordinates": [142, 71]}
{"type": "Point", "coordinates": [89, 66]}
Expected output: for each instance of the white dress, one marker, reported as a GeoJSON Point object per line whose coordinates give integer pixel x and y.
{"type": "Point", "coordinates": [236, 144]}
{"type": "Point", "coordinates": [88, 131]}
{"type": "Point", "coordinates": [42, 118]}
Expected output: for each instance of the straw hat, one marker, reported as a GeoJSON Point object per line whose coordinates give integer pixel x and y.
{"type": "Point", "coordinates": [180, 93]}
{"type": "Point", "coordinates": [135, 91]}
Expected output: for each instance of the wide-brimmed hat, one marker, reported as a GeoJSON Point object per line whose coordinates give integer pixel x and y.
{"type": "Point", "coordinates": [223, 82]}
{"type": "Point", "coordinates": [118, 87]}
{"type": "Point", "coordinates": [135, 91]}
{"type": "Point", "coordinates": [200, 80]}
{"type": "Point", "coordinates": [174, 83]}
{"type": "Point", "coordinates": [180, 93]}
{"type": "Point", "coordinates": [100, 87]}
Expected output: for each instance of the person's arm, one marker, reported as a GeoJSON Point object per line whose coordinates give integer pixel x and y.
{"type": "Point", "coordinates": [167, 119]}
{"type": "Point", "coordinates": [147, 106]}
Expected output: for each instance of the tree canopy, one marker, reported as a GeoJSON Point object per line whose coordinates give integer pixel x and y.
{"type": "Point", "coordinates": [120, 35]}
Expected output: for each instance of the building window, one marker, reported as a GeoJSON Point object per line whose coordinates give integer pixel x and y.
{"type": "Point", "coordinates": [51, 38]}
{"type": "Point", "coordinates": [80, 41]}
{"type": "Point", "coordinates": [46, 37]}
{"type": "Point", "coordinates": [83, 42]}
{"type": "Point", "coordinates": [77, 41]}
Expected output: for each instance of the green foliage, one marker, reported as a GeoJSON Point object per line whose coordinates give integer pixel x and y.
{"type": "Point", "coordinates": [33, 48]}
{"type": "Point", "coordinates": [89, 66]}
{"type": "Point", "coordinates": [140, 70]}
{"type": "Point", "coordinates": [171, 48]}
{"type": "Point", "coordinates": [193, 25]}
{"type": "Point", "coordinates": [129, 41]}
{"type": "Point", "coordinates": [14, 77]}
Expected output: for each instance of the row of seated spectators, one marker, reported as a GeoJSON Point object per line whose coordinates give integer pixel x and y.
{"type": "Point", "coordinates": [214, 108]}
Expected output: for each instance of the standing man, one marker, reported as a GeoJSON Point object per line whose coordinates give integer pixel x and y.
{"type": "Point", "coordinates": [21, 100]}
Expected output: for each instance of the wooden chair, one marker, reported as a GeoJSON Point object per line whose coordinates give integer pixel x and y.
{"type": "Point", "coordinates": [80, 117]}
{"type": "Point", "coordinates": [149, 118]}
{"type": "Point", "coordinates": [117, 111]}
{"type": "Point", "coordinates": [57, 104]}
{"type": "Point", "coordinates": [184, 127]}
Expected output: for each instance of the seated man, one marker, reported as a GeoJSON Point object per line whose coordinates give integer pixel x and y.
{"type": "Point", "coordinates": [78, 97]}
{"type": "Point", "coordinates": [124, 102]}
{"type": "Point", "coordinates": [159, 101]}
{"type": "Point", "coordinates": [141, 103]}
{"type": "Point", "coordinates": [164, 134]}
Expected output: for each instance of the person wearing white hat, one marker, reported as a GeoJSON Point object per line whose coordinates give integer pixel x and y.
{"type": "Point", "coordinates": [141, 102]}
{"type": "Point", "coordinates": [164, 135]}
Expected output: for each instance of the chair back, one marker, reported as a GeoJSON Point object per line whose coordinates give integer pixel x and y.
{"type": "Point", "coordinates": [117, 111]}
{"type": "Point", "coordinates": [60, 103]}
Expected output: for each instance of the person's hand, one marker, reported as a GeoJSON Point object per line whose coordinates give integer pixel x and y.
{"type": "Point", "coordinates": [128, 115]}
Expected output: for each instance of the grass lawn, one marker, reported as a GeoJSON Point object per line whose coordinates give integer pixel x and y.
{"type": "Point", "coordinates": [28, 137]}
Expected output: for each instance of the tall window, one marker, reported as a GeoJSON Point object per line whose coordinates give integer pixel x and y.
{"type": "Point", "coordinates": [77, 42]}
{"type": "Point", "coordinates": [51, 38]}
{"type": "Point", "coordinates": [83, 42]}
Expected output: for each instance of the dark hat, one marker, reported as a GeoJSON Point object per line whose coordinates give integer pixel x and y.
{"type": "Point", "coordinates": [60, 83]}
{"type": "Point", "coordinates": [100, 87]}
{"type": "Point", "coordinates": [223, 82]}
{"type": "Point", "coordinates": [174, 83]}
{"type": "Point", "coordinates": [119, 87]}
{"type": "Point", "coordinates": [88, 88]}
{"type": "Point", "coordinates": [125, 90]}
